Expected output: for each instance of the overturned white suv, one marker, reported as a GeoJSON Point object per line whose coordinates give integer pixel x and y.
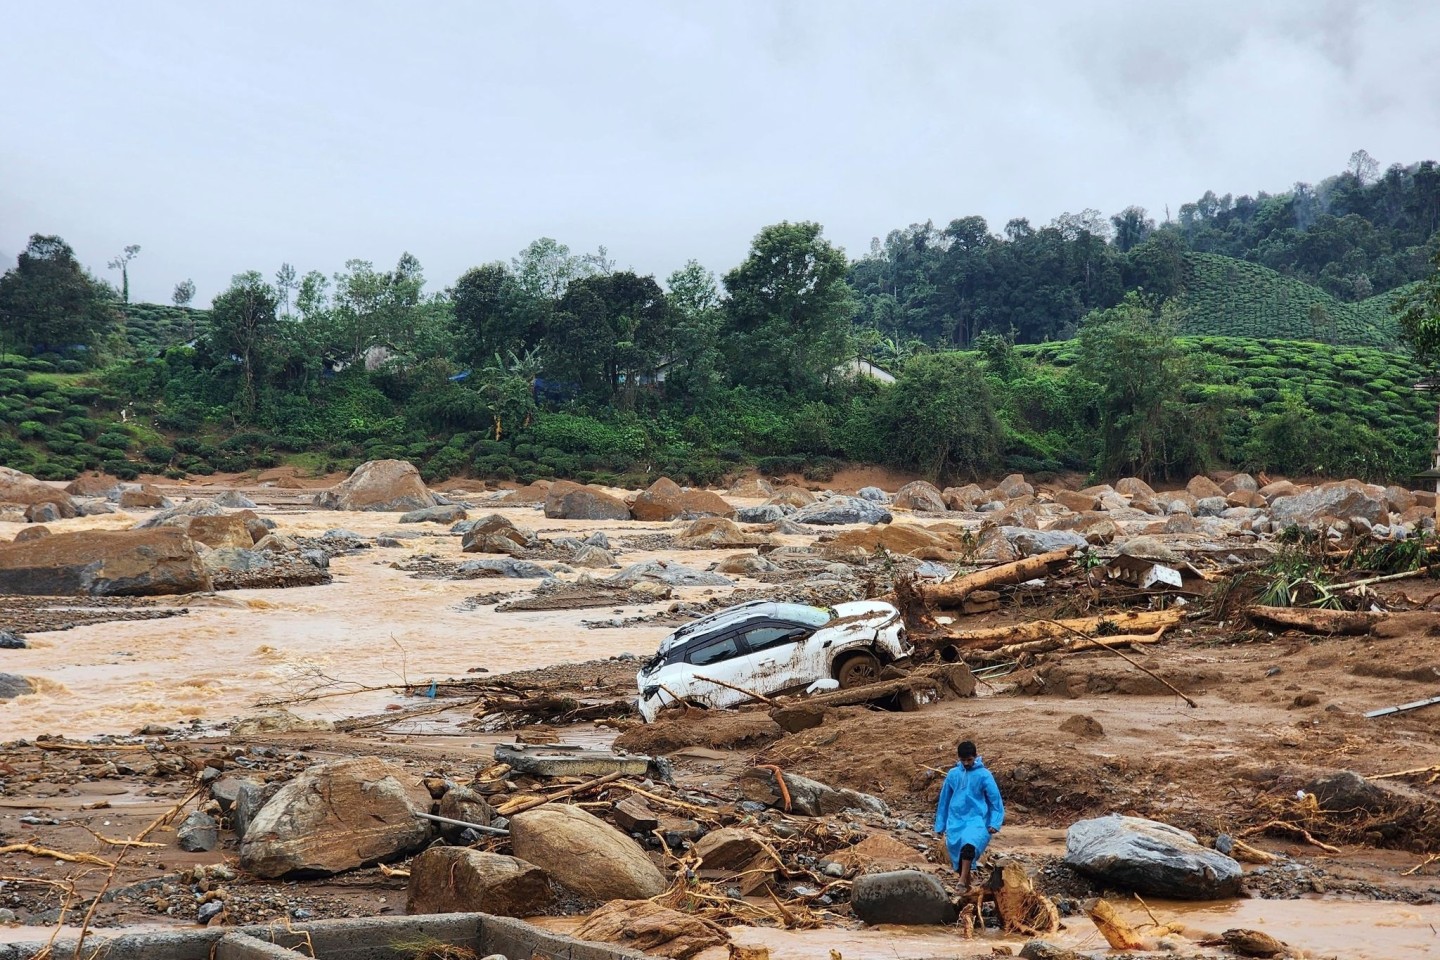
{"type": "Point", "coordinates": [765, 647]}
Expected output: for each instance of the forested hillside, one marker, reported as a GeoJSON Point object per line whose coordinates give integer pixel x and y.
{"type": "Point", "coordinates": [1158, 350]}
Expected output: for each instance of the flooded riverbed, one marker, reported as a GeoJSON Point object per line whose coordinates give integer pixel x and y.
{"type": "Point", "coordinates": [373, 626]}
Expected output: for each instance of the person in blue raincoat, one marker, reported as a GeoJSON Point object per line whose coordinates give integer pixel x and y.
{"type": "Point", "coordinates": [970, 811]}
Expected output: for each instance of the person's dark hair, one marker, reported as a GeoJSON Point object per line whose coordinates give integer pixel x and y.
{"type": "Point", "coordinates": [965, 749]}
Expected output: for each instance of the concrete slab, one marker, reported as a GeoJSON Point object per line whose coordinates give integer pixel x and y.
{"type": "Point", "coordinates": [560, 760]}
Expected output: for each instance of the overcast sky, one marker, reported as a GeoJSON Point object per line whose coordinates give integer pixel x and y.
{"type": "Point", "coordinates": [230, 136]}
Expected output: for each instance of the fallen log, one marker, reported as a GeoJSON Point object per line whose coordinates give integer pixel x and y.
{"type": "Point", "coordinates": [1327, 623]}
{"type": "Point", "coordinates": [954, 676]}
{"type": "Point", "coordinates": [952, 593]}
{"type": "Point", "coordinates": [1022, 909]}
{"type": "Point", "coordinates": [520, 806]}
{"type": "Point", "coordinates": [1119, 934]}
{"type": "Point", "coordinates": [1102, 628]}
{"type": "Point", "coordinates": [1057, 645]}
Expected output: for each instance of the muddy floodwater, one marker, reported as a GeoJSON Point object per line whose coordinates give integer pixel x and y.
{"type": "Point", "coordinates": [374, 626]}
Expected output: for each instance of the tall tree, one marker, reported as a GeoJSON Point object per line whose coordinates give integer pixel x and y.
{"type": "Point", "coordinates": [694, 369]}
{"type": "Point", "coordinates": [47, 300]}
{"type": "Point", "coordinates": [243, 326]}
{"type": "Point", "coordinates": [494, 313]}
{"type": "Point", "coordinates": [788, 316]}
{"type": "Point", "coordinates": [1419, 314]}
{"type": "Point", "coordinates": [610, 332]}
{"type": "Point", "coordinates": [184, 293]}
{"type": "Point", "coordinates": [285, 285]}
{"type": "Point", "coordinates": [122, 263]}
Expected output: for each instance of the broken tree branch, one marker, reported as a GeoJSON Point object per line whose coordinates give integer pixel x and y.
{"type": "Point", "coordinates": [730, 686]}
{"type": "Point", "coordinates": [988, 638]}
{"type": "Point", "coordinates": [1103, 645]}
{"type": "Point", "coordinates": [1329, 623]}
{"type": "Point", "coordinates": [1403, 773]}
{"type": "Point", "coordinates": [35, 851]}
{"type": "Point", "coordinates": [514, 807]}
{"type": "Point", "coordinates": [1072, 646]}
{"type": "Point", "coordinates": [953, 592]}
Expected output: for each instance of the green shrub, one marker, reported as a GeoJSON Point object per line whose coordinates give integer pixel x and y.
{"type": "Point", "coordinates": [156, 453]}
{"type": "Point", "coordinates": [113, 441]}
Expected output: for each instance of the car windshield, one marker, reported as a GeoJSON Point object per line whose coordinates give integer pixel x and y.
{"type": "Point", "coordinates": [800, 613]}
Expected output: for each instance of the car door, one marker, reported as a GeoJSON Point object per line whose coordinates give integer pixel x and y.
{"type": "Point", "coordinates": [776, 655]}
{"type": "Point", "coordinates": [720, 657]}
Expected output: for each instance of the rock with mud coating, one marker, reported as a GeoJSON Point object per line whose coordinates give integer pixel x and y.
{"type": "Point", "coordinates": [460, 880]}
{"type": "Point", "coordinates": [100, 485]}
{"type": "Point", "coordinates": [190, 508]}
{"type": "Point", "coordinates": [379, 485]}
{"type": "Point", "coordinates": [919, 496]}
{"type": "Point", "coordinates": [1150, 858]}
{"type": "Point", "coordinates": [143, 497]}
{"type": "Point", "coordinates": [592, 557]}
{"type": "Point", "coordinates": [235, 500]}
{"type": "Point", "coordinates": [32, 533]}
{"type": "Point", "coordinates": [901, 896]}
{"type": "Point", "coordinates": [571, 501]}
{"type": "Point", "coordinates": [103, 563]}
{"type": "Point", "coordinates": [42, 513]}
{"type": "Point", "coordinates": [335, 817]}
{"type": "Point", "coordinates": [843, 510]}
{"type": "Point", "coordinates": [873, 494]}
{"type": "Point", "coordinates": [1045, 950]}
{"type": "Point", "coordinates": [752, 487]}
{"type": "Point", "coordinates": [585, 854]}
{"type": "Point", "coordinates": [24, 490]}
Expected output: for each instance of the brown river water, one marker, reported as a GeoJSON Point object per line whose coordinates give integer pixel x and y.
{"type": "Point", "coordinates": [373, 626]}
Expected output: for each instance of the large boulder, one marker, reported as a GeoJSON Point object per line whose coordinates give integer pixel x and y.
{"type": "Point", "coordinates": [1032, 542]}
{"type": "Point", "coordinates": [461, 880]}
{"type": "Point", "coordinates": [507, 567]}
{"type": "Point", "coordinates": [665, 500]}
{"type": "Point", "coordinates": [13, 685]}
{"type": "Point", "coordinates": [1134, 488]}
{"type": "Point", "coordinates": [449, 513]}
{"type": "Point", "coordinates": [24, 490]}
{"type": "Point", "coordinates": [791, 497]}
{"type": "Point", "coordinates": [714, 533]}
{"type": "Point", "coordinates": [1012, 488]}
{"type": "Point", "coordinates": [227, 530]}
{"type": "Point", "coordinates": [729, 848]}
{"type": "Point", "coordinates": [843, 510]}
{"type": "Point", "coordinates": [903, 896]}
{"type": "Point", "coordinates": [1331, 501]}
{"type": "Point", "coordinates": [585, 854]}
{"type": "Point", "coordinates": [752, 487]}
{"type": "Point", "coordinates": [392, 485]}
{"type": "Point", "coordinates": [335, 817]}
{"type": "Point", "coordinates": [1200, 487]}
{"type": "Point", "coordinates": [1150, 858]}
{"type": "Point", "coordinates": [1076, 500]}
{"type": "Point", "coordinates": [919, 496]}
{"type": "Point", "coordinates": [1239, 483]}
{"type": "Point", "coordinates": [491, 534]}
{"type": "Point", "coordinates": [571, 501]}
{"type": "Point", "coordinates": [104, 563]}
{"type": "Point", "coordinates": [967, 497]}
{"type": "Point", "coordinates": [173, 516]}
{"type": "Point", "coordinates": [100, 485]}
{"type": "Point", "coordinates": [536, 492]}
{"type": "Point", "coordinates": [670, 573]}
{"type": "Point", "coordinates": [143, 497]}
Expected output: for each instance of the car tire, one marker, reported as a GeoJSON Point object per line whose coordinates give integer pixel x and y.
{"type": "Point", "coordinates": [857, 670]}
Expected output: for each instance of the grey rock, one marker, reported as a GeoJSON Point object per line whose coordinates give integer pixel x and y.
{"type": "Point", "coordinates": [458, 880]}
{"type": "Point", "coordinates": [842, 510]}
{"type": "Point", "coordinates": [340, 533]}
{"type": "Point", "coordinates": [1211, 506]}
{"type": "Point", "coordinates": [873, 494]}
{"type": "Point", "coordinates": [671, 573]}
{"type": "Point", "coordinates": [598, 539]}
{"type": "Point", "coordinates": [1150, 858]}
{"type": "Point", "coordinates": [901, 896]}
{"type": "Point", "coordinates": [1031, 542]}
{"type": "Point", "coordinates": [1332, 500]}
{"type": "Point", "coordinates": [505, 567]}
{"type": "Point", "coordinates": [316, 558]}
{"type": "Point", "coordinates": [592, 557]}
{"type": "Point", "coordinates": [389, 542]}
{"type": "Point", "coordinates": [236, 500]}
{"type": "Point", "coordinates": [1346, 792]}
{"type": "Point", "coordinates": [764, 513]}
{"type": "Point", "coordinates": [379, 485]}
{"type": "Point", "coordinates": [209, 911]}
{"type": "Point", "coordinates": [440, 514]}
{"type": "Point", "coordinates": [190, 508]}
{"type": "Point", "coordinates": [43, 513]}
{"type": "Point", "coordinates": [1149, 548]}
{"type": "Point", "coordinates": [198, 833]}
{"type": "Point", "coordinates": [12, 641]}
{"type": "Point", "coordinates": [1045, 950]}
{"type": "Point", "coordinates": [226, 791]}
{"type": "Point", "coordinates": [12, 686]}
{"type": "Point", "coordinates": [809, 798]}
{"type": "Point", "coordinates": [250, 798]}
{"type": "Point", "coordinates": [95, 508]}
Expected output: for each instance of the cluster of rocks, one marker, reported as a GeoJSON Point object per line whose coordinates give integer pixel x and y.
{"type": "Point", "coordinates": [1235, 506]}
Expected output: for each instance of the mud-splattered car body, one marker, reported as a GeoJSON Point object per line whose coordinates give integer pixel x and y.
{"type": "Point", "coordinates": [766, 647]}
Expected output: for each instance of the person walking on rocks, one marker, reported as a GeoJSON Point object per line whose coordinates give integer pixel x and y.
{"type": "Point", "coordinates": [970, 811]}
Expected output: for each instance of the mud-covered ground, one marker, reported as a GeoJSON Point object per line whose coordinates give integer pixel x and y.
{"type": "Point", "coordinates": [1067, 736]}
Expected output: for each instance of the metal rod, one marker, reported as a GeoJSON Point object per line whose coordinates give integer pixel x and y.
{"type": "Point", "coordinates": [1404, 706]}
{"type": "Point", "coordinates": [463, 823]}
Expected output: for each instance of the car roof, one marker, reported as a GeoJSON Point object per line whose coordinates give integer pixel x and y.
{"type": "Point", "coordinates": [754, 610]}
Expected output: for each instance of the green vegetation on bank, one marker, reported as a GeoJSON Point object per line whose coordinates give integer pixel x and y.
{"type": "Point", "coordinates": [556, 364]}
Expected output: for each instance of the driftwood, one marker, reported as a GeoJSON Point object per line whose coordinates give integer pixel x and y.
{"type": "Point", "coordinates": [950, 675]}
{"type": "Point", "coordinates": [520, 806]}
{"type": "Point", "coordinates": [652, 928]}
{"type": "Point", "coordinates": [1125, 623]}
{"type": "Point", "coordinates": [1119, 934]}
{"type": "Point", "coordinates": [1328, 623]}
{"type": "Point", "coordinates": [953, 592]}
{"type": "Point", "coordinates": [1057, 645]}
{"type": "Point", "coordinates": [1021, 908]}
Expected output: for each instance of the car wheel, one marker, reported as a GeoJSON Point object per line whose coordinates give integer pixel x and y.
{"type": "Point", "coordinates": [858, 670]}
